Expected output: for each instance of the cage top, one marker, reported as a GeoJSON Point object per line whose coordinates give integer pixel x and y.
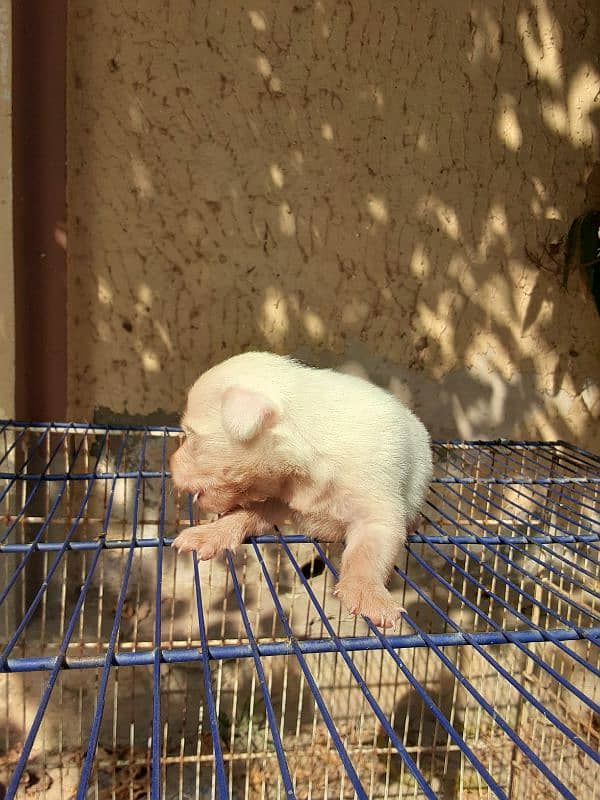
{"type": "Point", "coordinates": [504, 568]}
{"type": "Point", "coordinates": [93, 427]}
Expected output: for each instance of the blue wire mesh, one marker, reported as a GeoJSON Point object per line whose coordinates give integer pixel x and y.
{"type": "Point", "coordinates": [127, 670]}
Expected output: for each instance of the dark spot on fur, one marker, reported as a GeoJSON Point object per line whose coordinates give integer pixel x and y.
{"type": "Point", "coordinates": [313, 568]}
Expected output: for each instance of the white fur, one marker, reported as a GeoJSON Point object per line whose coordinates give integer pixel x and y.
{"type": "Point", "coordinates": [343, 457]}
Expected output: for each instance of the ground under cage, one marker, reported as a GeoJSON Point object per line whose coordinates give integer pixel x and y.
{"type": "Point", "coordinates": [128, 671]}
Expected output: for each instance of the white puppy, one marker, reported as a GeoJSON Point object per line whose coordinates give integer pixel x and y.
{"type": "Point", "coordinates": [268, 439]}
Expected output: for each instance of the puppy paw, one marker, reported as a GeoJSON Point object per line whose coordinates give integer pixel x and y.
{"type": "Point", "coordinates": [372, 600]}
{"type": "Point", "coordinates": [200, 539]}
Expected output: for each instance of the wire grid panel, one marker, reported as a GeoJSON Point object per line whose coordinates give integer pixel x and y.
{"type": "Point", "coordinates": [127, 670]}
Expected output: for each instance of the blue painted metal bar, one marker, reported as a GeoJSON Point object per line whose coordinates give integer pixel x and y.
{"type": "Point", "coordinates": [548, 586]}
{"type": "Point", "coordinates": [31, 494]}
{"type": "Point", "coordinates": [568, 561]}
{"type": "Point", "coordinates": [553, 554]}
{"type": "Point", "coordinates": [495, 716]}
{"type": "Point", "coordinates": [558, 459]}
{"type": "Point", "coordinates": [36, 446]}
{"type": "Point", "coordinates": [469, 461]}
{"type": "Point", "coordinates": [534, 492]}
{"type": "Point", "coordinates": [587, 557]}
{"type": "Point", "coordinates": [472, 460]}
{"type": "Point", "coordinates": [553, 465]}
{"type": "Point", "coordinates": [518, 444]}
{"type": "Point", "coordinates": [262, 682]}
{"type": "Point", "coordinates": [548, 460]}
{"type": "Point", "coordinates": [576, 481]}
{"type": "Point", "coordinates": [92, 744]}
{"type": "Point", "coordinates": [15, 779]}
{"type": "Point", "coordinates": [550, 490]}
{"type": "Point", "coordinates": [573, 494]}
{"type": "Point", "coordinates": [586, 453]}
{"type": "Point", "coordinates": [514, 528]}
{"type": "Point", "coordinates": [488, 501]}
{"type": "Point", "coordinates": [539, 661]}
{"type": "Point", "coordinates": [487, 538]}
{"type": "Point", "coordinates": [219, 772]}
{"type": "Point", "coordinates": [515, 637]}
{"type": "Point", "coordinates": [524, 444]}
{"type": "Point", "coordinates": [582, 633]}
{"type": "Point", "coordinates": [156, 731]}
{"type": "Point", "coordinates": [318, 697]}
{"type": "Point", "coordinates": [565, 577]}
{"type": "Point", "coordinates": [44, 586]}
{"type": "Point", "coordinates": [20, 471]}
{"type": "Point", "coordinates": [19, 438]}
{"type": "Point", "coordinates": [184, 655]}
{"type": "Point", "coordinates": [95, 428]}
{"type": "Point", "coordinates": [415, 538]}
{"type": "Point", "coordinates": [84, 476]}
{"type": "Point", "coordinates": [343, 651]}
{"type": "Point", "coordinates": [450, 480]}
{"type": "Point", "coordinates": [544, 508]}
{"type": "Point", "coordinates": [59, 663]}
{"type": "Point", "coordinates": [419, 688]}
{"type": "Point", "coordinates": [550, 456]}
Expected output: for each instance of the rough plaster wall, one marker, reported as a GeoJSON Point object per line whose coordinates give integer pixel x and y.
{"type": "Point", "coordinates": [381, 183]}
{"type": "Point", "coordinates": [7, 316]}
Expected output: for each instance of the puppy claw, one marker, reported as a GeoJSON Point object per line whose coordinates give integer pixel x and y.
{"type": "Point", "coordinates": [392, 622]}
{"type": "Point", "coordinates": [191, 539]}
{"type": "Point", "coordinates": [371, 600]}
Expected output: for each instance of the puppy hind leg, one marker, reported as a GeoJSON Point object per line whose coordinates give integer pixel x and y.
{"type": "Point", "coordinates": [372, 548]}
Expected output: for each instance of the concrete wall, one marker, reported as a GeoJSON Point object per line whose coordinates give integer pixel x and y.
{"type": "Point", "coordinates": [7, 316]}
{"type": "Point", "coordinates": [383, 185]}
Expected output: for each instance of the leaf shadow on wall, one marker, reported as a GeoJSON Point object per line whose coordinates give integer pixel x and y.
{"type": "Point", "coordinates": [393, 200]}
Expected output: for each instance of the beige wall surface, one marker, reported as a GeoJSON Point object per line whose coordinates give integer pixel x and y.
{"type": "Point", "coordinates": [384, 186]}
{"type": "Point", "coordinates": [7, 316]}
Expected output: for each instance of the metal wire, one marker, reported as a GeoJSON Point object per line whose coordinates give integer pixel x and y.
{"type": "Point", "coordinates": [260, 685]}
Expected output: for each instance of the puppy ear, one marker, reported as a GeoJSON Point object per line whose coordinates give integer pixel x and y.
{"type": "Point", "coordinates": [245, 413]}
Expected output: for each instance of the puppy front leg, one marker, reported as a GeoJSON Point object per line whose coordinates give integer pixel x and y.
{"type": "Point", "coordinates": [371, 551]}
{"type": "Point", "coordinates": [229, 531]}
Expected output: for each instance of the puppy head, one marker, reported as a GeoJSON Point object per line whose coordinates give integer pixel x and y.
{"type": "Point", "coordinates": [226, 458]}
